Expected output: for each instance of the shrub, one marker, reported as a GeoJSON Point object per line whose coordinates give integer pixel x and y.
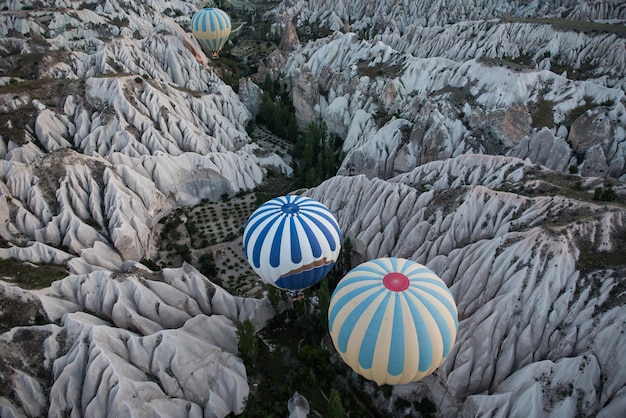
{"type": "Point", "coordinates": [605, 195]}
{"type": "Point", "coordinates": [207, 265]}
{"type": "Point", "coordinates": [335, 406]}
{"type": "Point", "coordinates": [248, 344]}
{"type": "Point", "coordinates": [150, 264]}
{"type": "Point", "coordinates": [183, 251]}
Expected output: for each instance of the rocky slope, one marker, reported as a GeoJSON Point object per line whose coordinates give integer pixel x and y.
{"type": "Point", "coordinates": [461, 123]}
{"type": "Point", "coordinates": [111, 117]}
{"type": "Point", "coordinates": [541, 326]}
{"type": "Point", "coordinates": [113, 134]}
{"type": "Point", "coordinates": [399, 14]}
{"type": "Point", "coordinates": [134, 343]}
{"type": "Point", "coordinates": [429, 97]}
{"type": "Point", "coordinates": [499, 79]}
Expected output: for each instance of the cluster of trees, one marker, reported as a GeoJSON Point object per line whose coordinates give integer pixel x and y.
{"type": "Point", "coordinates": [277, 111]}
{"type": "Point", "coordinates": [295, 364]}
{"type": "Point", "coordinates": [248, 343]}
{"type": "Point", "coordinates": [207, 266]}
{"type": "Point", "coordinates": [319, 155]}
{"type": "Point", "coordinates": [604, 194]}
{"type": "Point", "coordinates": [317, 152]}
{"type": "Point", "coordinates": [299, 362]}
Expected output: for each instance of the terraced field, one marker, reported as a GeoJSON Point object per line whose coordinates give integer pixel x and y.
{"type": "Point", "coordinates": [214, 230]}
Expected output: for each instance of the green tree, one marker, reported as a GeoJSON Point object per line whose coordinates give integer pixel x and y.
{"type": "Point", "coordinates": [605, 195]}
{"type": "Point", "coordinates": [275, 296]}
{"type": "Point", "coordinates": [323, 297]}
{"type": "Point", "coordinates": [312, 177]}
{"type": "Point", "coordinates": [292, 128]}
{"type": "Point", "coordinates": [248, 343]}
{"type": "Point", "coordinates": [318, 153]}
{"type": "Point", "coordinates": [268, 85]}
{"type": "Point", "coordinates": [191, 227]}
{"type": "Point", "coordinates": [151, 264]}
{"type": "Point", "coordinates": [342, 266]}
{"type": "Point", "coordinates": [306, 320]}
{"type": "Point", "coordinates": [335, 406]}
{"type": "Point", "coordinates": [207, 265]}
{"type": "Point", "coordinates": [183, 251]}
{"type": "Point", "coordinates": [266, 111]}
{"type": "Point", "coordinates": [279, 116]}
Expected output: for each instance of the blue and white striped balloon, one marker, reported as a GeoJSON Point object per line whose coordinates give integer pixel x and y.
{"type": "Point", "coordinates": [392, 320]}
{"type": "Point", "coordinates": [292, 242]}
{"type": "Point", "coordinates": [211, 27]}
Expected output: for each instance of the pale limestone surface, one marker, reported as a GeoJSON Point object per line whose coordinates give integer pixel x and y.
{"type": "Point", "coordinates": [144, 125]}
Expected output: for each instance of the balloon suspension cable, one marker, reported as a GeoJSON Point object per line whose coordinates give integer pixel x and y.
{"type": "Point", "coordinates": [295, 295]}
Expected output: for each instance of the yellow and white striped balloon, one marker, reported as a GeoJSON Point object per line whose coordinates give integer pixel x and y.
{"type": "Point", "coordinates": [211, 27]}
{"type": "Point", "coordinates": [392, 320]}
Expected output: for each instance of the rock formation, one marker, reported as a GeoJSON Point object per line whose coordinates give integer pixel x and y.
{"type": "Point", "coordinates": [540, 324]}
{"type": "Point", "coordinates": [481, 140]}
{"type": "Point", "coordinates": [475, 85]}
{"type": "Point", "coordinates": [135, 343]}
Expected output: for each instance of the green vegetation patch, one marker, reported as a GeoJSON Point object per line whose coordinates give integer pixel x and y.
{"type": "Point", "coordinates": [29, 275]}
{"type": "Point", "coordinates": [518, 65]}
{"type": "Point", "coordinates": [25, 86]}
{"type": "Point", "coordinates": [381, 69]}
{"type": "Point", "coordinates": [542, 113]}
{"type": "Point", "coordinates": [295, 354]}
{"type": "Point", "coordinates": [319, 155]}
{"type": "Point", "coordinates": [571, 186]}
{"type": "Point", "coordinates": [288, 361]}
{"type": "Point", "coordinates": [119, 22]}
{"type": "Point", "coordinates": [229, 69]}
{"type": "Point", "coordinates": [277, 112]}
{"type": "Point", "coordinates": [590, 260]}
{"type": "Point", "coordinates": [50, 92]}
{"type": "Point", "coordinates": [457, 95]}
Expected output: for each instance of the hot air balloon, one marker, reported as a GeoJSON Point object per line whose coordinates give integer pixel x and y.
{"type": "Point", "coordinates": [292, 242]}
{"type": "Point", "coordinates": [211, 27]}
{"type": "Point", "coordinates": [392, 320]}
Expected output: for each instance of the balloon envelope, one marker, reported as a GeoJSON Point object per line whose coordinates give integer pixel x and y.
{"type": "Point", "coordinates": [292, 242]}
{"type": "Point", "coordinates": [392, 320]}
{"type": "Point", "coordinates": [211, 27]}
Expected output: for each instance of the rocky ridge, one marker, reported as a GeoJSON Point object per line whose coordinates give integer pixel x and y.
{"type": "Point", "coordinates": [457, 156]}
{"type": "Point", "coordinates": [471, 85]}
{"type": "Point", "coordinates": [539, 327]}
{"type": "Point", "coordinates": [111, 117]}
{"type": "Point", "coordinates": [135, 343]}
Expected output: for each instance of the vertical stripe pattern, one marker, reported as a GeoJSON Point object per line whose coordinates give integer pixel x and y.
{"type": "Point", "coordinates": [292, 242]}
{"type": "Point", "coordinates": [392, 320]}
{"type": "Point", "coordinates": [211, 28]}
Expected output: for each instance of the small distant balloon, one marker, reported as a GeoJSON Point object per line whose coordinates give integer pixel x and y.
{"type": "Point", "coordinates": [211, 27]}
{"type": "Point", "coordinates": [392, 320]}
{"type": "Point", "coordinates": [292, 242]}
